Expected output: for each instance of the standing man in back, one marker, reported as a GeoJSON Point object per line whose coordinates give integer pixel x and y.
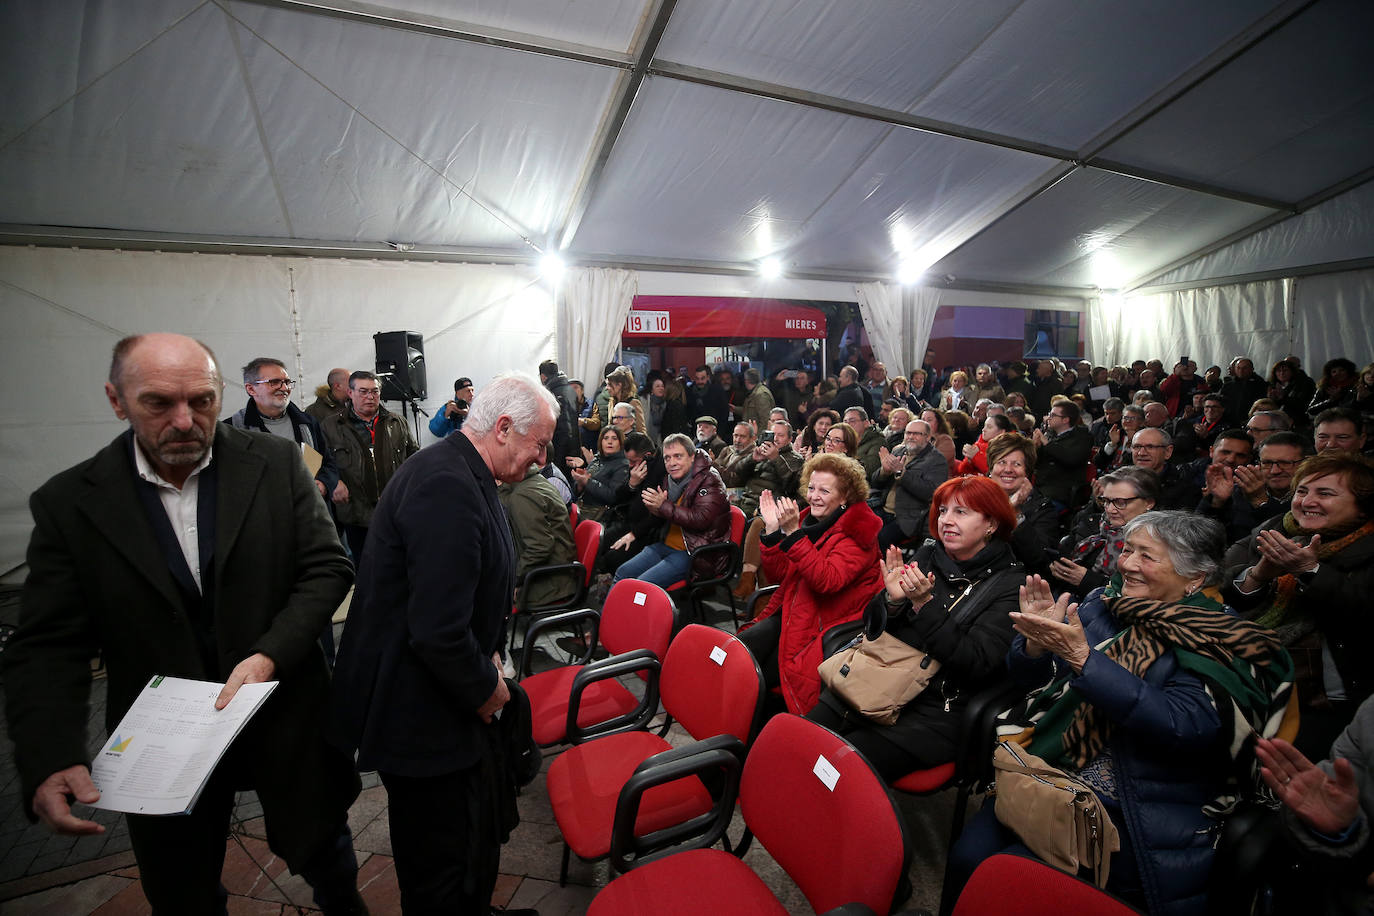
{"type": "Point", "coordinates": [369, 444]}
{"type": "Point", "coordinates": [565, 440]}
{"type": "Point", "coordinates": [331, 396]}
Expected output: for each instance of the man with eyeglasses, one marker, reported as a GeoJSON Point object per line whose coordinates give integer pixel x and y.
{"type": "Point", "coordinates": [1064, 449]}
{"type": "Point", "coordinates": [269, 410]}
{"type": "Point", "coordinates": [1267, 422]}
{"type": "Point", "coordinates": [369, 443]}
{"type": "Point", "coordinates": [1252, 494]}
{"type": "Point", "coordinates": [905, 483]}
{"type": "Point", "coordinates": [1152, 449]}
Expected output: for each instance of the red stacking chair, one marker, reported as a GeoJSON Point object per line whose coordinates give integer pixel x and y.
{"type": "Point", "coordinates": [711, 684]}
{"type": "Point", "coordinates": [573, 515]}
{"type": "Point", "coordinates": [694, 587]}
{"type": "Point", "coordinates": [635, 626]}
{"type": "Point", "coordinates": [810, 799]}
{"type": "Point", "coordinates": [587, 542]}
{"type": "Point", "coordinates": [1016, 886]}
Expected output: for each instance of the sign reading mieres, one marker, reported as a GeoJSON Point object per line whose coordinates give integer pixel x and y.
{"type": "Point", "coordinates": [641, 322]}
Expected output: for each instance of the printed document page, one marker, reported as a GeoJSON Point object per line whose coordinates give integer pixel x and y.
{"type": "Point", "coordinates": [161, 755]}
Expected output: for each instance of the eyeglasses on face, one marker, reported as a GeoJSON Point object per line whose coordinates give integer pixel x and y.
{"type": "Point", "coordinates": [276, 383]}
{"type": "Point", "coordinates": [1279, 463]}
{"type": "Point", "coordinates": [369, 392]}
{"type": "Point", "coordinates": [835, 440]}
{"type": "Point", "coordinates": [1118, 502]}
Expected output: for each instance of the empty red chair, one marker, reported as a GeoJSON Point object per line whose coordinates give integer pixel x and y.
{"type": "Point", "coordinates": [1016, 886]}
{"type": "Point", "coordinates": [711, 684]}
{"type": "Point", "coordinates": [819, 809]}
{"type": "Point", "coordinates": [635, 626]}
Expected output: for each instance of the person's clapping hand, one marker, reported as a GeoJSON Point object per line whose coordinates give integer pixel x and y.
{"type": "Point", "coordinates": [1068, 571]}
{"type": "Point", "coordinates": [1280, 555]}
{"type": "Point", "coordinates": [768, 511]}
{"type": "Point", "coordinates": [654, 498]}
{"type": "Point", "coordinates": [789, 516]}
{"type": "Point", "coordinates": [1250, 479]}
{"type": "Point", "coordinates": [1220, 483]}
{"type": "Point", "coordinates": [1327, 804]}
{"type": "Point", "coordinates": [587, 455]}
{"type": "Point", "coordinates": [1023, 492]}
{"type": "Point", "coordinates": [1050, 625]}
{"type": "Point", "coordinates": [580, 476]}
{"type": "Point", "coordinates": [970, 451]}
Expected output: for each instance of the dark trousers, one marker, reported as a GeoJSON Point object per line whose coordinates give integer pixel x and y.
{"type": "Point", "coordinates": [445, 840]}
{"type": "Point", "coordinates": [762, 639]}
{"type": "Point", "coordinates": [180, 858]}
{"type": "Point", "coordinates": [355, 536]}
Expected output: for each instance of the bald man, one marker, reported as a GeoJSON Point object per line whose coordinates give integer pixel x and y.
{"type": "Point", "coordinates": [188, 548]}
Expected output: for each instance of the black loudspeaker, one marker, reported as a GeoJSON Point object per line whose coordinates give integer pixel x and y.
{"type": "Point", "coordinates": [401, 365]}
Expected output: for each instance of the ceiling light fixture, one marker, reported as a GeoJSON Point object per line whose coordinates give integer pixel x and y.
{"type": "Point", "coordinates": [770, 268]}
{"type": "Point", "coordinates": [552, 267]}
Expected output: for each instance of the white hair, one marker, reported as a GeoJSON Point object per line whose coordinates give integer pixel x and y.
{"type": "Point", "coordinates": [517, 395]}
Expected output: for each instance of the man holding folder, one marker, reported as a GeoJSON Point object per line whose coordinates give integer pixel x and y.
{"type": "Point", "coordinates": [186, 548]}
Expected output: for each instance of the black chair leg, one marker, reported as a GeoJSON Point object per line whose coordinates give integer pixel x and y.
{"type": "Point", "coordinates": [563, 872]}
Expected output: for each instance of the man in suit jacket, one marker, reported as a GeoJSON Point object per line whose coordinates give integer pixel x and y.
{"type": "Point", "coordinates": [191, 549]}
{"type": "Point", "coordinates": [418, 675]}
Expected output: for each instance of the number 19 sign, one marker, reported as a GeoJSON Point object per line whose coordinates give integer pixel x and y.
{"type": "Point", "coordinates": [641, 322]}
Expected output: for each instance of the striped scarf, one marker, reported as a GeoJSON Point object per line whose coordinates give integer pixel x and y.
{"type": "Point", "coordinates": [1281, 606]}
{"type": "Point", "coordinates": [1241, 663]}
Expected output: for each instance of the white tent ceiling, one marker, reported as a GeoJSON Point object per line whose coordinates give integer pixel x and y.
{"type": "Point", "coordinates": [1021, 144]}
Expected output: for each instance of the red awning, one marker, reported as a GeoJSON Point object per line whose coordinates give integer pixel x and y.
{"type": "Point", "coordinates": [659, 320]}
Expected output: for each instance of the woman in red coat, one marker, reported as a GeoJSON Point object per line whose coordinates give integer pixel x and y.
{"type": "Point", "coordinates": [825, 556]}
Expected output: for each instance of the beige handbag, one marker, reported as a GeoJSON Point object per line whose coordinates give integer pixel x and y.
{"type": "Point", "coordinates": [1059, 818]}
{"type": "Point", "coordinates": [877, 677]}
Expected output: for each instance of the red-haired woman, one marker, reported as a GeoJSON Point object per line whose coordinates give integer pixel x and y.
{"type": "Point", "coordinates": [952, 602]}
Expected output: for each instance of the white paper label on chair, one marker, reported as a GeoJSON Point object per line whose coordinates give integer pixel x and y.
{"type": "Point", "coordinates": [718, 656]}
{"type": "Point", "coordinates": [641, 597]}
{"type": "Point", "coordinates": [825, 771]}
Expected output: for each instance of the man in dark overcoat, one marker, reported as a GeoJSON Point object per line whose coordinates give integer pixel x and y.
{"type": "Point", "coordinates": [418, 677]}
{"type": "Point", "coordinates": [191, 549]}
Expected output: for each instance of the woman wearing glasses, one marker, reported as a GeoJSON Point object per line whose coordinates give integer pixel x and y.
{"type": "Point", "coordinates": [841, 439]}
{"type": "Point", "coordinates": [1125, 493]}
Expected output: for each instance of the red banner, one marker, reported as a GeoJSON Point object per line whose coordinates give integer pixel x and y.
{"type": "Point", "coordinates": [657, 320]}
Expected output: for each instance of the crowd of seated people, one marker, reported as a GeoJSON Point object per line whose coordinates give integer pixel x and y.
{"type": "Point", "coordinates": [1085, 514]}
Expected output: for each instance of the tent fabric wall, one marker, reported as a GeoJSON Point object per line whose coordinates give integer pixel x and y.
{"type": "Point", "coordinates": [64, 309]}
{"type": "Point", "coordinates": [591, 314]}
{"type": "Point", "coordinates": [1315, 318]}
{"type": "Point", "coordinates": [1341, 229]}
{"type": "Point", "coordinates": [899, 320]}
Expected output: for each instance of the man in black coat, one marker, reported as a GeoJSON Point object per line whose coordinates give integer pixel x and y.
{"type": "Point", "coordinates": [191, 549]}
{"type": "Point", "coordinates": [1064, 449]}
{"type": "Point", "coordinates": [565, 439]}
{"type": "Point", "coordinates": [418, 676]}
{"type": "Point", "coordinates": [1241, 391]}
{"type": "Point", "coordinates": [850, 394]}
